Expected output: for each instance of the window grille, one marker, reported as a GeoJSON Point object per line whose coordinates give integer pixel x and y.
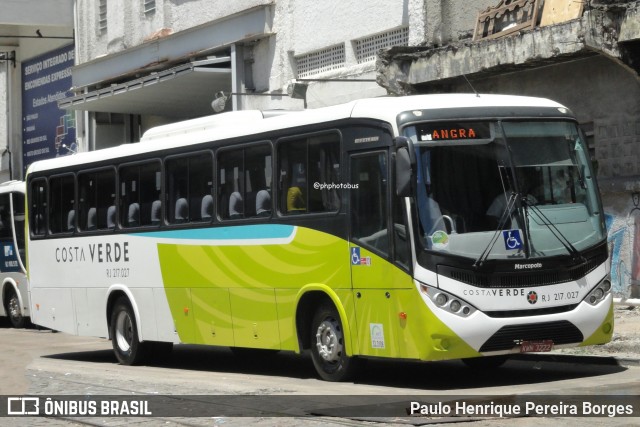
{"type": "Point", "coordinates": [331, 58]}
{"type": "Point", "coordinates": [149, 7]}
{"type": "Point", "coordinates": [102, 16]}
{"type": "Point", "coordinates": [368, 47]}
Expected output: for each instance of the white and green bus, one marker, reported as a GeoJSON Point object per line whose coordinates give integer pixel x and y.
{"type": "Point", "coordinates": [14, 290]}
{"type": "Point", "coordinates": [367, 229]}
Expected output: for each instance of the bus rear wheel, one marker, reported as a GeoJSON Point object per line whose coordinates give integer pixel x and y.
{"type": "Point", "coordinates": [328, 351]}
{"type": "Point", "coordinates": [13, 310]}
{"type": "Point", "coordinates": [124, 334]}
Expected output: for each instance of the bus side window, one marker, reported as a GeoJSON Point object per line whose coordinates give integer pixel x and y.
{"type": "Point", "coordinates": [258, 181]}
{"type": "Point", "coordinates": [5, 217]}
{"type": "Point", "coordinates": [38, 207]}
{"type": "Point", "coordinates": [243, 174]}
{"type": "Point", "coordinates": [305, 164]}
{"type": "Point", "coordinates": [18, 222]}
{"type": "Point", "coordinates": [140, 186]}
{"type": "Point", "coordinates": [189, 179]}
{"type": "Point", "coordinates": [96, 193]}
{"type": "Point", "coordinates": [62, 218]}
{"type": "Point", "coordinates": [230, 184]}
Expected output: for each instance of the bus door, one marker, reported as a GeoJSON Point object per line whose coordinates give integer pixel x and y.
{"type": "Point", "coordinates": [379, 255]}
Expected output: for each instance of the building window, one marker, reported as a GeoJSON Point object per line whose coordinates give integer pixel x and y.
{"type": "Point", "coordinates": [149, 7]}
{"type": "Point", "coordinates": [367, 48]}
{"type": "Point", "coordinates": [331, 58]}
{"type": "Point", "coordinates": [102, 16]}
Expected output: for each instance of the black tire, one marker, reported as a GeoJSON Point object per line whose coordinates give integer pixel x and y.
{"type": "Point", "coordinates": [14, 311]}
{"type": "Point", "coordinates": [486, 362]}
{"type": "Point", "coordinates": [124, 334]}
{"type": "Point", "coordinates": [328, 350]}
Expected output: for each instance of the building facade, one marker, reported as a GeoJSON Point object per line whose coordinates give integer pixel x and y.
{"type": "Point", "coordinates": [143, 63]}
{"type": "Point", "coordinates": [28, 30]}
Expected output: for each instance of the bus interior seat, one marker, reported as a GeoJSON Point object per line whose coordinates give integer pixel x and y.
{"type": "Point", "coordinates": [206, 207]}
{"type": "Point", "coordinates": [156, 212]}
{"type": "Point", "coordinates": [236, 206]}
{"type": "Point", "coordinates": [111, 217]}
{"type": "Point", "coordinates": [71, 220]}
{"type": "Point", "coordinates": [181, 211]}
{"type": "Point", "coordinates": [250, 203]}
{"type": "Point", "coordinates": [263, 203]}
{"type": "Point", "coordinates": [133, 217]}
{"type": "Point", "coordinates": [92, 219]}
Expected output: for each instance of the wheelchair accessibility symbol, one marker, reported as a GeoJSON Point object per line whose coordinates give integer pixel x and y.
{"type": "Point", "coordinates": [356, 259]}
{"type": "Point", "coordinates": [355, 256]}
{"type": "Point", "coordinates": [512, 239]}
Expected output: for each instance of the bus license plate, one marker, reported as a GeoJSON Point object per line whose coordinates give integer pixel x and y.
{"type": "Point", "coordinates": [536, 346]}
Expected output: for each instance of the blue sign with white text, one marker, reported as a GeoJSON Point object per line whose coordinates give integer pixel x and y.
{"type": "Point", "coordinates": [47, 131]}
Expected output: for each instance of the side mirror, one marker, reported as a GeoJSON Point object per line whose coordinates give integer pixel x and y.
{"type": "Point", "coordinates": [405, 165]}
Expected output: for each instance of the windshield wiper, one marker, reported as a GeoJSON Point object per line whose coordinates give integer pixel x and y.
{"type": "Point", "coordinates": [575, 254]}
{"type": "Point", "coordinates": [506, 214]}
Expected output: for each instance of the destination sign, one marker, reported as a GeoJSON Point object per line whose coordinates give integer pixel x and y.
{"type": "Point", "coordinates": [454, 131]}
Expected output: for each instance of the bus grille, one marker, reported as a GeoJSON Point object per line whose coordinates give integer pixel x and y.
{"type": "Point", "coordinates": [521, 279]}
{"type": "Point", "coordinates": [531, 312]}
{"type": "Point", "coordinates": [508, 337]}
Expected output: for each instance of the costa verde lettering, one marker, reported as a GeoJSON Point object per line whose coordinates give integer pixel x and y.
{"type": "Point", "coordinates": [494, 292]}
{"type": "Point", "coordinates": [95, 252]}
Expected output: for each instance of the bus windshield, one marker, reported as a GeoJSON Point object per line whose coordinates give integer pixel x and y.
{"type": "Point", "coordinates": [505, 190]}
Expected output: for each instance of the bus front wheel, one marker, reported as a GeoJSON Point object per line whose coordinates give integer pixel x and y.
{"type": "Point", "coordinates": [124, 334]}
{"type": "Point", "coordinates": [13, 310]}
{"type": "Point", "coordinates": [327, 346]}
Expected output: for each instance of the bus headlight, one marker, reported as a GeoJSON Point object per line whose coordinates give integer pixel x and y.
{"type": "Point", "coordinates": [599, 292]}
{"type": "Point", "coordinates": [447, 302]}
{"type": "Point", "coordinates": [441, 299]}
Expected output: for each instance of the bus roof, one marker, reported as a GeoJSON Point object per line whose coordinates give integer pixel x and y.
{"type": "Point", "coordinates": [226, 125]}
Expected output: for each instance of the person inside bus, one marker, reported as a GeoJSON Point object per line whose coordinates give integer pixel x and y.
{"type": "Point", "coordinates": [295, 196]}
{"type": "Point", "coordinates": [500, 202]}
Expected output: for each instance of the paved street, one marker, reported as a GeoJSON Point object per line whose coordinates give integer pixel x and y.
{"type": "Point", "coordinates": [45, 363]}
